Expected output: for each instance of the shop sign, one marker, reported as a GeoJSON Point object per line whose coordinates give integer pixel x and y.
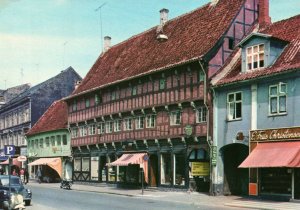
{"type": "Point", "coordinates": [280, 134]}
{"type": "Point", "coordinates": [188, 130]}
{"type": "Point", "coordinates": [200, 169]}
{"type": "Point", "coordinates": [22, 158]}
{"type": "Point", "coordinates": [213, 155]}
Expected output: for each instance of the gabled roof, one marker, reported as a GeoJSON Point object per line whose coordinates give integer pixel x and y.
{"type": "Point", "coordinates": [55, 118]}
{"type": "Point", "coordinates": [190, 37]}
{"type": "Point", "coordinates": [289, 60]}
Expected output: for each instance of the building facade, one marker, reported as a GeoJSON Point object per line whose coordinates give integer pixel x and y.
{"type": "Point", "coordinates": [19, 114]}
{"type": "Point", "coordinates": [48, 144]}
{"type": "Point", "coordinates": [148, 95]}
{"type": "Point", "coordinates": [256, 122]}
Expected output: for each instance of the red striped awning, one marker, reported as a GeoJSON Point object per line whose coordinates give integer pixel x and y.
{"type": "Point", "coordinates": [127, 159]}
{"type": "Point", "coordinates": [274, 154]}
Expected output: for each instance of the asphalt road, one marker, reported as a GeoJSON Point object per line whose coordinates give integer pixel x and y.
{"type": "Point", "coordinates": [54, 199]}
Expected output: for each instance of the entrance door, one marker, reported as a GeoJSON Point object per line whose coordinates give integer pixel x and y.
{"type": "Point", "coordinates": [235, 179]}
{"type": "Point", "coordinates": [297, 183]}
{"type": "Point", "coordinates": [153, 170]}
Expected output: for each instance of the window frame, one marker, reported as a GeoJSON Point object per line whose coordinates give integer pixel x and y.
{"type": "Point", "coordinates": [139, 122]}
{"type": "Point", "coordinates": [253, 54]}
{"type": "Point", "coordinates": [128, 125]}
{"type": "Point", "coordinates": [173, 118]}
{"type": "Point", "coordinates": [101, 127]}
{"type": "Point", "coordinates": [232, 117]}
{"type": "Point", "coordinates": [150, 121]}
{"type": "Point", "coordinates": [117, 125]}
{"type": "Point", "coordinates": [109, 126]}
{"type": "Point", "coordinates": [277, 96]}
{"type": "Point", "coordinates": [201, 114]}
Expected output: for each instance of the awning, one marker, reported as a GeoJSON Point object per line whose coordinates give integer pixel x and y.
{"type": "Point", "coordinates": [127, 159]}
{"type": "Point", "coordinates": [131, 159]}
{"type": "Point", "coordinates": [274, 154]}
{"type": "Point", "coordinates": [14, 162]}
{"type": "Point", "coordinates": [54, 163]}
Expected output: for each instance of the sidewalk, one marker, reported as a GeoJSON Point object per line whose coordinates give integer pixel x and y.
{"type": "Point", "coordinates": [179, 197]}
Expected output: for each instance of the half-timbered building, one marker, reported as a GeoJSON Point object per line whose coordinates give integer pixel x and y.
{"type": "Point", "coordinates": [144, 105]}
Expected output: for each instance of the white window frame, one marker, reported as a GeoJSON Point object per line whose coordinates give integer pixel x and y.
{"type": "Point", "coordinates": [101, 128]}
{"type": "Point", "coordinates": [234, 103]}
{"type": "Point", "coordinates": [128, 126]}
{"type": "Point", "coordinates": [140, 122]}
{"type": "Point", "coordinates": [109, 126]}
{"type": "Point", "coordinates": [175, 117]}
{"type": "Point", "coordinates": [201, 114]}
{"type": "Point", "coordinates": [117, 125]}
{"type": "Point", "coordinates": [74, 132]}
{"type": "Point", "coordinates": [280, 94]}
{"type": "Point", "coordinates": [256, 54]}
{"type": "Point", "coordinates": [150, 121]}
{"type": "Point", "coordinates": [92, 129]}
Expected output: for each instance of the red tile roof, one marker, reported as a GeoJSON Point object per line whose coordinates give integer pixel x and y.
{"type": "Point", "coordinates": [54, 118]}
{"type": "Point", "coordinates": [191, 36]}
{"type": "Point", "coordinates": [289, 60]}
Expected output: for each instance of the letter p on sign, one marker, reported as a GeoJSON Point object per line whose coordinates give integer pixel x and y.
{"type": "Point", "coordinates": [9, 150]}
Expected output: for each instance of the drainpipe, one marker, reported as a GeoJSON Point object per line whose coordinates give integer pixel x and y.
{"type": "Point", "coordinates": [207, 123]}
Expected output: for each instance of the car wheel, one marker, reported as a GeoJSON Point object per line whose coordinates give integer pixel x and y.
{"type": "Point", "coordinates": [27, 203]}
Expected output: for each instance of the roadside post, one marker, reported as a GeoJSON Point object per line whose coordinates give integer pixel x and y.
{"type": "Point", "coordinates": [9, 150]}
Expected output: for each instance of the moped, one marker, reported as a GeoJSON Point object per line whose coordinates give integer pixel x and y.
{"type": "Point", "coordinates": [66, 184]}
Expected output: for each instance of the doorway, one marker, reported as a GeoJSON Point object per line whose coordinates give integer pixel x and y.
{"type": "Point", "coordinates": [153, 170]}
{"type": "Point", "coordinates": [235, 179]}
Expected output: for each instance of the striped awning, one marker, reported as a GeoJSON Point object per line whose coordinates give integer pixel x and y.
{"type": "Point", "coordinates": [129, 159]}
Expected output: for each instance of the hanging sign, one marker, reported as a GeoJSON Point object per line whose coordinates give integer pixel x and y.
{"type": "Point", "coordinates": [200, 169]}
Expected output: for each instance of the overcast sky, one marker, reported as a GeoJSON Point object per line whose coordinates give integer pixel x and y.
{"type": "Point", "coordinates": [39, 38]}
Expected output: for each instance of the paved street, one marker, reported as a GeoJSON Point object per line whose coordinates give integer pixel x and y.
{"type": "Point", "coordinates": [50, 197]}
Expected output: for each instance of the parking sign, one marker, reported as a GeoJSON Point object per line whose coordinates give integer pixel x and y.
{"type": "Point", "coordinates": [9, 150]}
{"type": "Point", "coordinates": [2, 155]}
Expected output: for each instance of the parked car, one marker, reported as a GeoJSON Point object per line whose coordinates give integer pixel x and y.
{"type": "Point", "coordinates": [17, 187]}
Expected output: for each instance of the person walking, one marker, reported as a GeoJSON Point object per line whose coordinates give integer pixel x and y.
{"type": "Point", "coordinates": [26, 176]}
{"type": "Point", "coordinates": [39, 175]}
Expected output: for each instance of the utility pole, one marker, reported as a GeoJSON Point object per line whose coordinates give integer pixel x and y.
{"type": "Point", "coordinates": [100, 15]}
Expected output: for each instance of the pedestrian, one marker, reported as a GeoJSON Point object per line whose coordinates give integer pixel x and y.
{"type": "Point", "coordinates": [14, 173]}
{"type": "Point", "coordinates": [22, 173]}
{"type": "Point", "coordinates": [39, 175]}
{"type": "Point", "coordinates": [26, 176]}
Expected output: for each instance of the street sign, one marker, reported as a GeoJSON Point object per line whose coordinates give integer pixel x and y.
{"type": "Point", "coordinates": [9, 150]}
{"type": "Point", "coordinates": [2, 155]}
{"type": "Point", "coordinates": [22, 158]}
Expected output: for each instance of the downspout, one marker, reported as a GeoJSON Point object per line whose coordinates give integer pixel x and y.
{"type": "Point", "coordinates": [207, 124]}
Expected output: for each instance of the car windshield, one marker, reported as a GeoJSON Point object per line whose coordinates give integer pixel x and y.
{"type": "Point", "coordinates": [13, 181]}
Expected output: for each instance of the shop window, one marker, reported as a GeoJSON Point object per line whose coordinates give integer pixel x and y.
{"type": "Point", "coordinates": [111, 170]}
{"type": "Point", "coordinates": [85, 164]}
{"type": "Point", "coordinates": [109, 127]}
{"type": "Point", "coordinates": [277, 99]}
{"type": "Point", "coordinates": [179, 168]}
{"type": "Point", "coordinates": [255, 57]}
{"type": "Point", "coordinates": [166, 175]}
{"type": "Point", "coordinates": [101, 128]}
{"type": "Point", "coordinates": [94, 168]}
{"type": "Point", "coordinates": [201, 114]}
{"type": "Point", "coordinates": [58, 140]}
{"type": "Point", "coordinates": [198, 155]}
{"type": "Point", "coordinates": [128, 124]}
{"type": "Point", "coordinates": [65, 142]}
{"type": "Point", "coordinates": [150, 121]}
{"type": "Point", "coordinates": [77, 164]}
{"type": "Point", "coordinates": [175, 118]}
{"type": "Point", "coordinates": [139, 122]}
{"type": "Point", "coordinates": [117, 125]}
{"type": "Point", "coordinates": [234, 106]}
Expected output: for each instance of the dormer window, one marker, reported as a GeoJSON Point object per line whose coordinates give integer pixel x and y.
{"type": "Point", "coordinates": [255, 57]}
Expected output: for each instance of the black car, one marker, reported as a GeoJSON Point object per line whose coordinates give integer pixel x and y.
{"type": "Point", "coordinates": [16, 187]}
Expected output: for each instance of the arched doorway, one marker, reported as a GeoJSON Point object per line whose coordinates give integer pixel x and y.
{"type": "Point", "coordinates": [235, 179]}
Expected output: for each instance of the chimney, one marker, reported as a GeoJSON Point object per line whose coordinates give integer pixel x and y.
{"type": "Point", "coordinates": [163, 16]}
{"type": "Point", "coordinates": [107, 43]}
{"type": "Point", "coordinates": [263, 13]}
{"type": "Point", "coordinates": [77, 83]}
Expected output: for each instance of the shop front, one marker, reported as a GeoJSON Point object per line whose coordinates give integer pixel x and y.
{"type": "Point", "coordinates": [274, 163]}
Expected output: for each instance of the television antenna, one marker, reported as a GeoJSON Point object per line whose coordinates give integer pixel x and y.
{"type": "Point", "coordinates": [100, 16]}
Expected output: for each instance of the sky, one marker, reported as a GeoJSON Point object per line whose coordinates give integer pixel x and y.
{"type": "Point", "coordinates": [40, 38]}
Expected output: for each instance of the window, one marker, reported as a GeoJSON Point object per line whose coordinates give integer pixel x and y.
{"type": "Point", "coordinates": [58, 140]}
{"type": "Point", "coordinates": [234, 106]}
{"type": "Point", "coordinates": [97, 99]}
{"type": "Point", "coordinates": [74, 132]}
{"type": "Point", "coordinates": [201, 114]}
{"type": "Point", "coordinates": [255, 57]}
{"type": "Point", "coordinates": [77, 164]}
{"type": "Point", "coordinates": [74, 106]}
{"type": "Point", "coordinates": [92, 129]}
{"type": "Point", "coordinates": [134, 90]}
{"type": "Point", "coordinates": [277, 98]}
{"type": "Point", "coordinates": [139, 122]}
{"type": "Point", "coordinates": [41, 143]}
{"type": "Point", "coordinates": [162, 83]}
{"type": "Point", "coordinates": [101, 128]}
{"type": "Point", "coordinates": [85, 164]}
{"type": "Point", "coordinates": [117, 125]}
{"type": "Point", "coordinates": [83, 131]}
{"type": "Point", "coordinates": [47, 142]}
{"type": "Point", "coordinates": [113, 95]}
{"type": "Point", "coordinates": [109, 127]}
{"type": "Point", "coordinates": [150, 121]}
{"type": "Point", "coordinates": [128, 124]}
{"type": "Point", "coordinates": [230, 43]}
{"type": "Point", "coordinates": [65, 142]}
{"type": "Point", "coordinates": [87, 103]}
{"type": "Point", "coordinates": [201, 76]}
{"type": "Point", "coordinates": [52, 138]}
{"type": "Point", "coordinates": [175, 118]}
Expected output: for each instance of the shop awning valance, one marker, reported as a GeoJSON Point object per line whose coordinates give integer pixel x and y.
{"type": "Point", "coordinates": [14, 162]}
{"type": "Point", "coordinates": [127, 159]}
{"type": "Point", "coordinates": [274, 154]}
{"type": "Point", "coordinates": [54, 163]}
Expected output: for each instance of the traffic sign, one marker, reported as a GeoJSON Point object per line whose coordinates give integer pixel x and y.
{"type": "Point", "coordinates": [2, 155]}
{"type": "Point", "coordinates": [9, 150]}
